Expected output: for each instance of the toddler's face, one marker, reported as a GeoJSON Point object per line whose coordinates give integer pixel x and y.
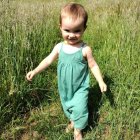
{"type": "Point", "coordinates": [72, 30]}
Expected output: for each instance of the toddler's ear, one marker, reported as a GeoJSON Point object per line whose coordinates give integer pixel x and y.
{"type": "Point", "coordinates": [60, 26]}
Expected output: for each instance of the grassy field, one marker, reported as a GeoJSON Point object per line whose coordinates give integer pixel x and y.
{"type": "Point", "coordinates": [32, 111]}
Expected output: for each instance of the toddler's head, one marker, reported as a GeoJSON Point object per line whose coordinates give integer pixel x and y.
{"type": "Point", "coordinates": [74, 12]}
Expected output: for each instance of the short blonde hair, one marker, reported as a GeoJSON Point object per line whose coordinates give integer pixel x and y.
{"type": "Point", "coordinates": [75, 11]}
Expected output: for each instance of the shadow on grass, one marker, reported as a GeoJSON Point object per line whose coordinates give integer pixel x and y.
{"type": "Point", "coordinates": [20, 105]}
{"type": "Point", "coordinates": [96, 101]}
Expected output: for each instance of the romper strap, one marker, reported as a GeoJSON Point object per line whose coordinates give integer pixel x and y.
{"type": "Point", "coordinates": [83, 45]}
{"type": "Point", "coordinates": [60, 46]}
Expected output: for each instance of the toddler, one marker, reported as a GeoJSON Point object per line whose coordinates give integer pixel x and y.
{"type": "Point", "coordinates": [74, 60]}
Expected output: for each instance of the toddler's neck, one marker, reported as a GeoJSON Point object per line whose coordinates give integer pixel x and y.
{"type": "Point", "coordinates": [74, 45]}
{"type": "Point", "coordinates": [71, 49]}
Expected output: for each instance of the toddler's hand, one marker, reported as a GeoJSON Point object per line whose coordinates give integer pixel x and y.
{"type": "Point", "coordinates": [30, 75]}
{"type": "Point", "coordinates": [103, 87]}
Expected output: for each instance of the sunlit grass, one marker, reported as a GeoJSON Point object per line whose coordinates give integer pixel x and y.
{"type": "Point", "coordinates": [28, 32]}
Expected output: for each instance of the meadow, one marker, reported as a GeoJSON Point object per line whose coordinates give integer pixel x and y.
{"type": "Point", "coordinates": [32, 110]}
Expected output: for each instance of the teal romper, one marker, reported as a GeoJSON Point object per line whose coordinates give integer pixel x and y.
{"type": "Point", "coordinates": [73, 84]}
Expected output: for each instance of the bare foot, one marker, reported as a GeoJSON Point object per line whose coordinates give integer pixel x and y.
{"type": "Point", "coordinates": [77, 134]}
{"type": "Point", "coordinates": [70, 127]}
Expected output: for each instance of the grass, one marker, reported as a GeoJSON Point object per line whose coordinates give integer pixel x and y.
{"type": "Point", "coordinates": [28, 32]}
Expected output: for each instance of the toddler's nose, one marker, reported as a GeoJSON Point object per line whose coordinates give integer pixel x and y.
{"type": "Point", "coordinates": [71, 35]}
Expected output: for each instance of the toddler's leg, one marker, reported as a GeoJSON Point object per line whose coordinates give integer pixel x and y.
{"type": "Point", "coordinates": [77, 134]}
{"type": "Point", "coordinates": [70, 127]}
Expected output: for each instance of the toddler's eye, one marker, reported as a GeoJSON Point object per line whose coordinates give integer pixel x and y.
{"type": "Point", "coordinates": [66, 30]}
{"type": "Point", "coordinates": [77, 31]}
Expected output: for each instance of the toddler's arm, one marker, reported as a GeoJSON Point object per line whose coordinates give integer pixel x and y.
{"type": "Point", "coordinates": [97, 74]}
{"type": "Point", "coordinates": [95, 69]}
{"type": "Point", "coordinates": [44, 64]}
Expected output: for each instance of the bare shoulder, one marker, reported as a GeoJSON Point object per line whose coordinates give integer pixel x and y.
{"type": "Point", "coordinates": [87, 51]}
{"type": "Point", "coordinates": [57, 47]}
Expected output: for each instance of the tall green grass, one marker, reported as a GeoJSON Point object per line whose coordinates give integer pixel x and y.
{"type": "Point", "coordinates": [28, 32]}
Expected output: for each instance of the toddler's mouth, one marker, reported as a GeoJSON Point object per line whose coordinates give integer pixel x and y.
{"type": "Point", "coordinates": [72, 39]}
